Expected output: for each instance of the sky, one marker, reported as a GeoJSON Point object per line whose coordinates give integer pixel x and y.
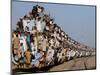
{"type": "Point", "coordinates": [78, 21]}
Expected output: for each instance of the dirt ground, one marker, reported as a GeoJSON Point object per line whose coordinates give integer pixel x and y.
{"type": "Point", "coordinates": [83, 63]}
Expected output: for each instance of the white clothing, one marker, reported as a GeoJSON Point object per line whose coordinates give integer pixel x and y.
{"type": "Point", "coordinates": [47, 28]}
{"type": "Point", "coordinates": [34, 49]}
{"type": "Point", "coordinates": [52, 42]}
{"type": "Point", "coordinates": [38, 25]}
{"type": "Point", "coordinates": [25, 23]}
{"type": "Point", "coordinates": [50, 54]}
{"type": "Point", "coordinates": [23, 40]}
{"type": "Point", "coordinates": [31, 24]}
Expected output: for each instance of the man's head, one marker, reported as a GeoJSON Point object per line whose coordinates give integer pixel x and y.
{"type": "Point", "coordinates": [28, 49]}
{"type": "Point", "coordinates": [16, 35]}
{"type": "Point", "coordinates": [21, 44]}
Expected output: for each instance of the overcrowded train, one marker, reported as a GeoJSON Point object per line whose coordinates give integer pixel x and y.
{"type": "Point", "coordinates": [39, 42]}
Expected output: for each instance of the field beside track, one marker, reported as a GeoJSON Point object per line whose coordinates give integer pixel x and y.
{"type": "Point", "coordinates": [83, 63]}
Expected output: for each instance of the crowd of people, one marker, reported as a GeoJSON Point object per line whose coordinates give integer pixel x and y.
{"type": "Point", "coordinates": [39, 42]}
